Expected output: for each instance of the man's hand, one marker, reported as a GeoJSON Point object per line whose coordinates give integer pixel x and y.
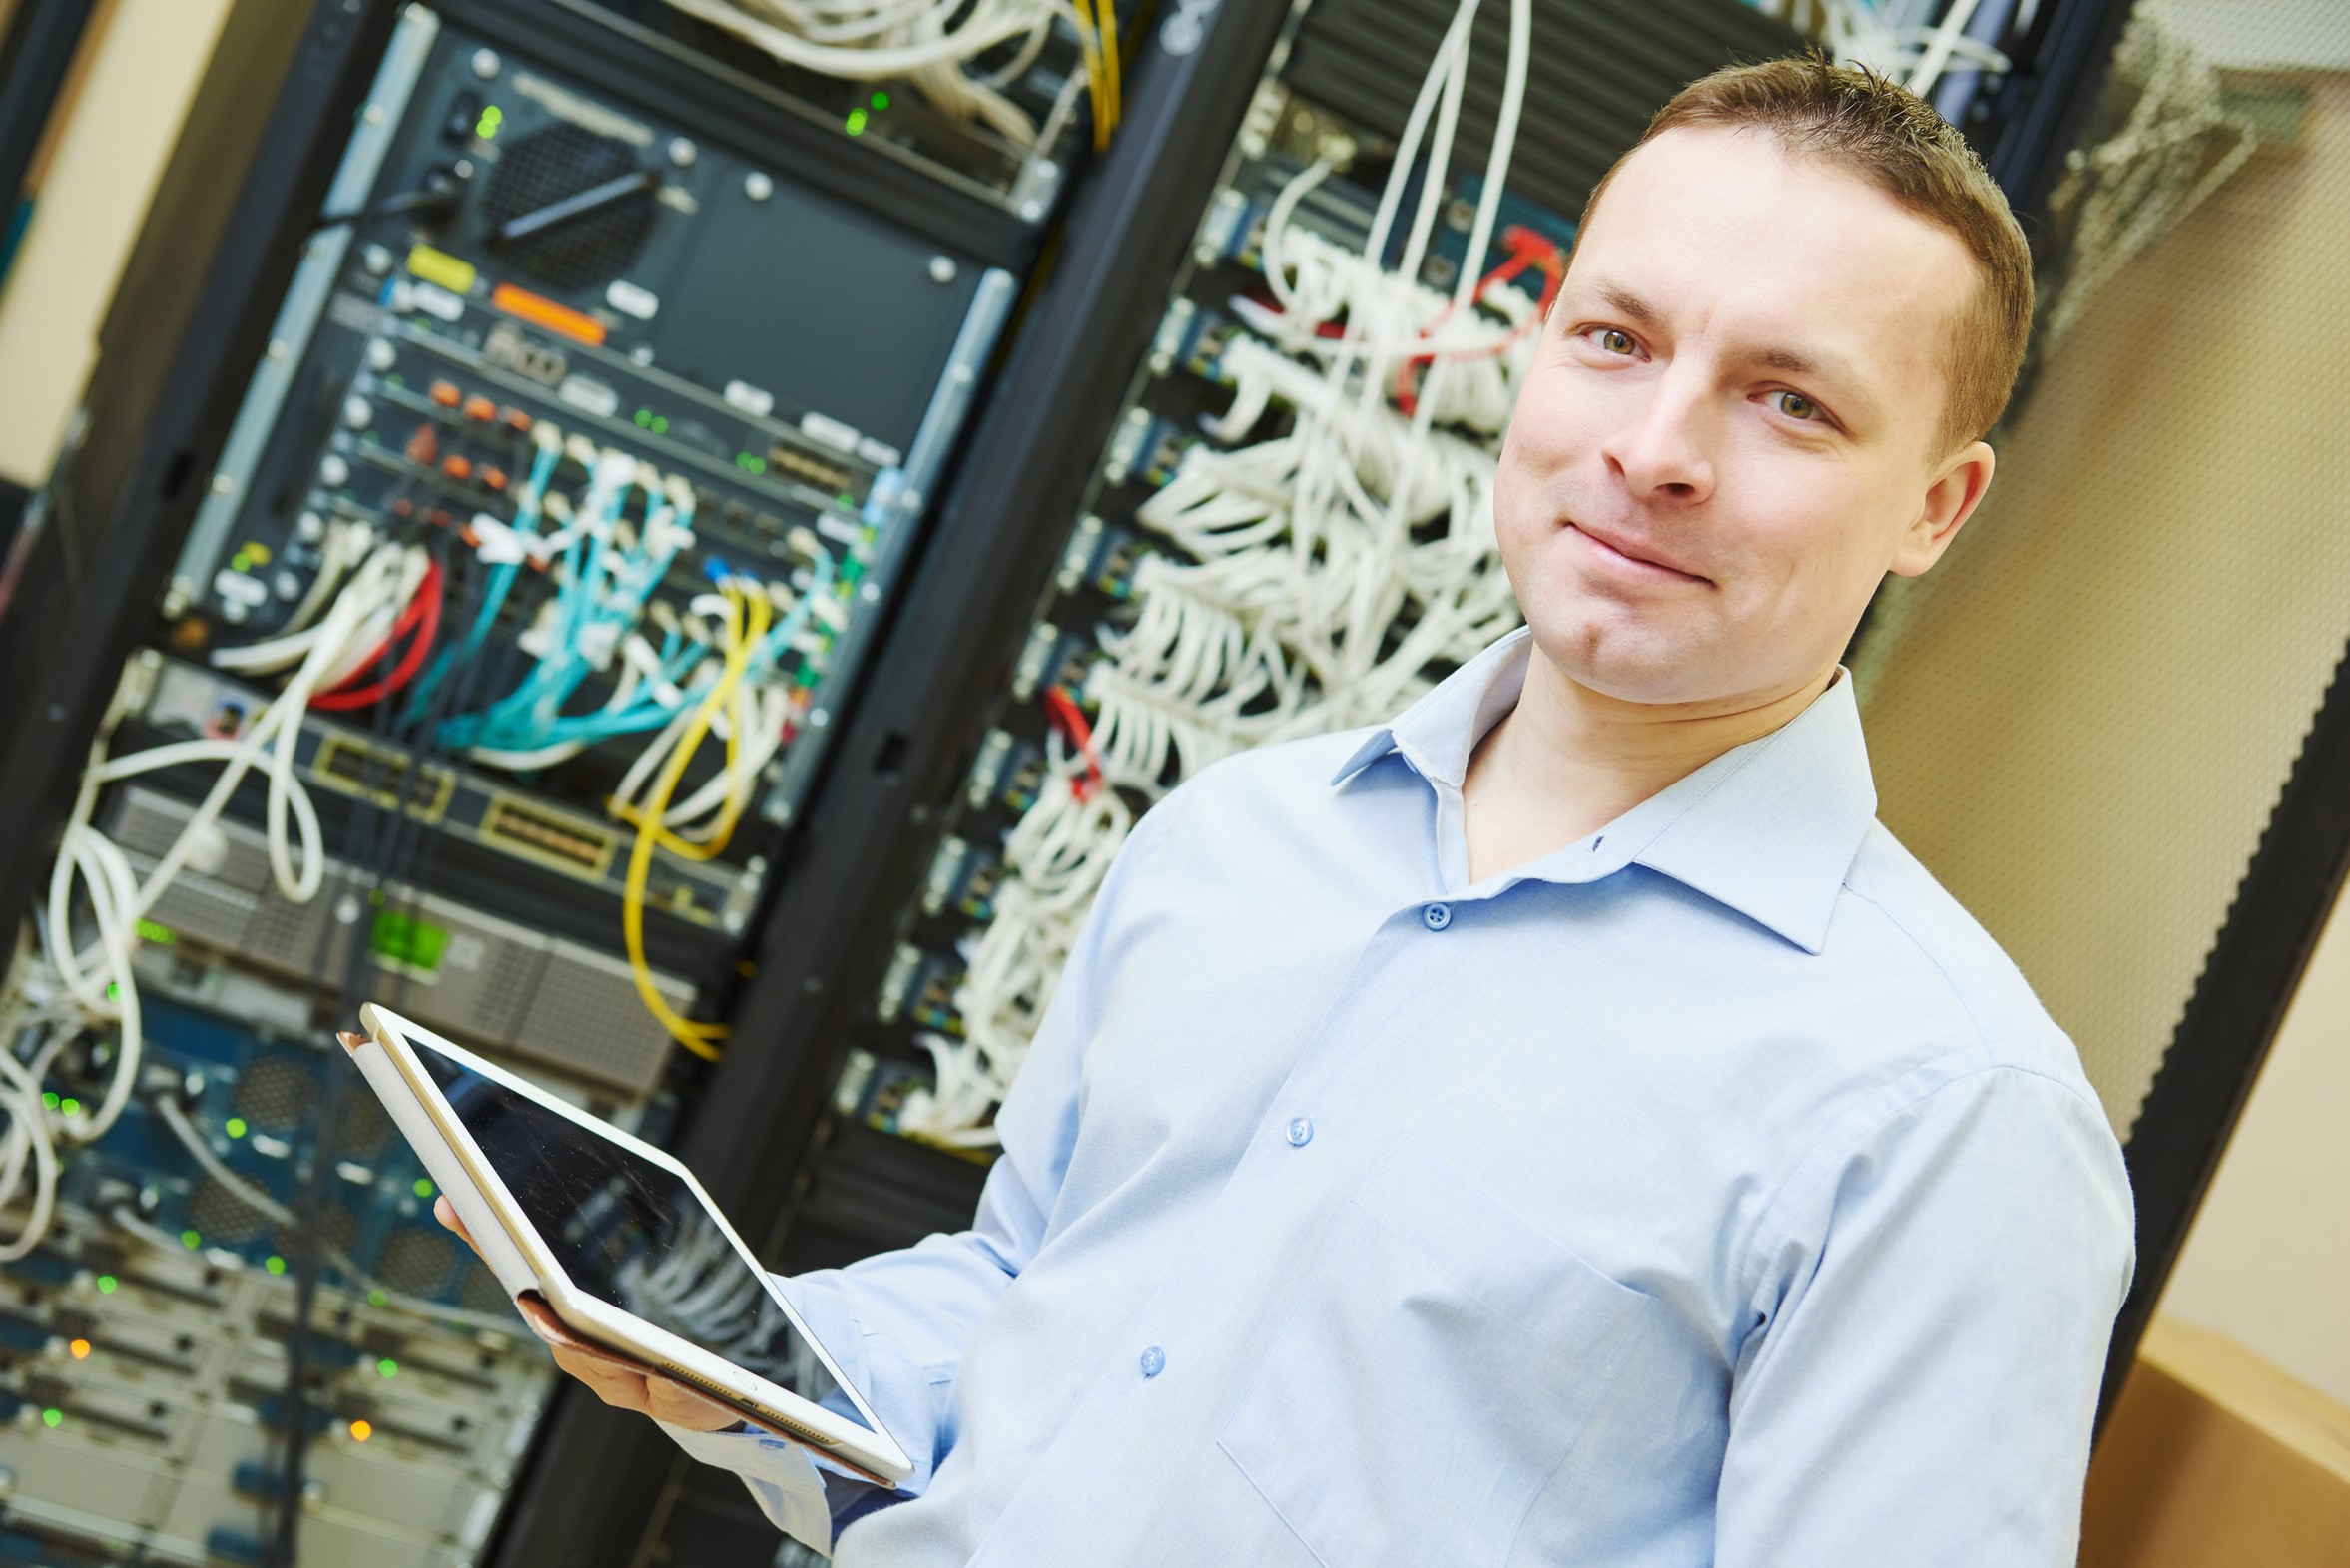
{"type": "Point", "coordinates": [616, 1381]}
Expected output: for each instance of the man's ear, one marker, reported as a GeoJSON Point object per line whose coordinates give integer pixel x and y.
{"type": "Point", "coordinates": [1949, 500]}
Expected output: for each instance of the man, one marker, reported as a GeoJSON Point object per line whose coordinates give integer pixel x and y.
{"type": "Point", "coordinates": [1560, 1126]}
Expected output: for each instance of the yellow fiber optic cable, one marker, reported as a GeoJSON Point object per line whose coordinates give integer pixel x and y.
{"type": "Point", "coordinates": [1110, 66]}
{"type": "Point", "coordinates": [742, 605]}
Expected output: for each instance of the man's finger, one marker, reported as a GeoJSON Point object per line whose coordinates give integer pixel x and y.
{"type": "Point", "coordinates": [615, 1385]}
{"type": "Point", "coordinates": [672, 1402]}
{"type": "Point", "coordinates": [447, 1214]}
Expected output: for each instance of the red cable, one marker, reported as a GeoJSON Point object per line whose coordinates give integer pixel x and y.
{"type": "Point", "coordinates": [1064, 712]}
{"type": "Point", "coordinates": [1526, 248]}
{"type": "Point", "coordinates": [422, 616]}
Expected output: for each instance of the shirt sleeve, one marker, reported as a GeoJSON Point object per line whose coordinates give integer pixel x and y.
{"type": "Point", "coordinates": [1935, 1319]}
{"type": "Point", "coordinates": [898, 1323]}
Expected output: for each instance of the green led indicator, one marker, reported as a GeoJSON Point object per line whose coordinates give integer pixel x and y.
{"type": "Point", "coordinates": [49, 1098]}
{"type": "Point", "coordinates": [749, 464]}
{"type": "Point", "coordinates": [378, 1298]}
{"type": "Point", "coordinates": [848, 501]}
{"type": "Point", "coordinates": [189, 1239]}
{"type": "Point", "coordinates": [644, 418]}
{"type": "Point", "coordinates": [51, 1416]}
{"type": "Point", "coordinates": [424, 1187]}
{"type": "Point", "coordinates": [273, 1264]}
{"type": "Point", "coordinates": [106, 1285]}
{"type": "Point", "coordinates": [113, 992]}
{"type": "Point", "coordinates": [410, 943]}
{"type": "Point", "coordinates": [660, 425]}
{"type": "Point", "coordinates": [235, 1126]}
{"type": "Point", "coordinates": [159, 935]}
{"type": "Point", "coordinates": [881, 102]}
{"type": "Point", "coordinates": [487, 126]}
{"type": "Point", "coordinates": [387, 1367]}
{"type": "Point", "coordinates": [855, 126]}
{"type": "Point", "coordinates": [70, 1106]}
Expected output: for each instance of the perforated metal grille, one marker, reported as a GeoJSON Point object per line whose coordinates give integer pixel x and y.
{"type": "Point", "coordinates": [415, 1261]}
{"type": "Point", "coordinates": [338, 1228]}
{"type": "Point", "coordinates": [2080, 720]}
{"type": "Point", "coordinates": [481, 1291]}
{"type": "Point", "coordinates": [587, 1018]}
{"type": "Point", "coordinates": [545, 166]}
{"type": "Point", "coordinates": [217, 1215]}
{"type": "Point", "coordinates": [275, 1093]}
{"type": "Point", "coordinates": [365, 1129]}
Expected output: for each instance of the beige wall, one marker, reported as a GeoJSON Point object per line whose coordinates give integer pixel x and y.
{"type": "Point", "coordinates": [2268, 1262]}
{"type": "Point", "coordinates": [92, 201]}
{"type": "Point", "coordinates": [2079, 720]}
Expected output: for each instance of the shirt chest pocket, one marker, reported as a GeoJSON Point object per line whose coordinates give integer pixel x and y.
{"type": "Point", "coordinates": [1434, 1364]}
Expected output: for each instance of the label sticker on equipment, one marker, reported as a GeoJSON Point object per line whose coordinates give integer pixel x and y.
{"type": "Point", "coordinates": [831, 432]}
{"type": "Point", "coordinates": [757, 401]}
{"type": "Point", "coordinates": [629, 299]}
{"type": "Point", "coordinates": [585, 391]}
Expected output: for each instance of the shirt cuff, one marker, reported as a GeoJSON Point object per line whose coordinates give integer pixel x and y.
{"type": "Point", "coordinates": [782, 1477]}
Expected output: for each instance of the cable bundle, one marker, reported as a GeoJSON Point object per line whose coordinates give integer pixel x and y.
{"type": "Point", "coordinates": [931, 42]}
{"type": "Point", "coordinates": [1330, 567]}
{"type": "Point", "coordinates": [1899, 39]}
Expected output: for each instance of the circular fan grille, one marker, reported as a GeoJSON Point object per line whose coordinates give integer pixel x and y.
{"type": "Point", "coordinates": [547, 166]}
{"type": "Point", "coordinates": [338, 1228]}
{"type": "Point", "coordinates": [275, 1093]}
{"type": "Point", "coordinates": [414, 1263]}
{"type": "Point", "coordinates": [219, 1214]}
{"type": "Point", "coordinates": [366, 1127]}
{"type": "Point", "coordinates": [481, 1291]}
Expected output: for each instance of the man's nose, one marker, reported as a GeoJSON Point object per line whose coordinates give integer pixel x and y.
{"type": "Point", "coordinates": [1664, 450]}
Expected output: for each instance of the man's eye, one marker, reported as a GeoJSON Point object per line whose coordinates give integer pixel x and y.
{"type": "Point", "coordinates": [1795, 405]}
{"type": "Point", "coordinates": [1612, 341]}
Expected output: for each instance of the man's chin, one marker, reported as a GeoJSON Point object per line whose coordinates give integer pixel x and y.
{"type": "Point", "coordinates": [1633, 664]}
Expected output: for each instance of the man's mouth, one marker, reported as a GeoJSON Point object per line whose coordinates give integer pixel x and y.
{"type": "Point", "coordinates": [1628, 557]}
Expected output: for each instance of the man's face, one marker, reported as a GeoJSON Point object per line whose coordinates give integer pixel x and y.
{"type": "Point", "coordinates": [1729, 431]}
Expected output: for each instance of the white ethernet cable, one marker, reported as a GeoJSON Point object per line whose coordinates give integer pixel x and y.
{"type": "Point", "coordinates": [1901, 39]}
{"type": "Point", "coordinates": [928, 41]}
{"type": "Point", "coordinates": [79, 992]}
{"type": "Point", "coordinates": [1330, 567]}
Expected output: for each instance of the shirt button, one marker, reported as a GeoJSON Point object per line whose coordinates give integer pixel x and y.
{"type": "Point", "coordinates": [1154, 1361]}
{"type": "Point", "coordinates": [1301, 1133]}
{"type": "Point", "coordinates": [1437, 916]}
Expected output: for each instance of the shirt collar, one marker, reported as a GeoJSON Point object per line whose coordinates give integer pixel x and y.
{"type": "Point", "coordinates": [1768, 828]}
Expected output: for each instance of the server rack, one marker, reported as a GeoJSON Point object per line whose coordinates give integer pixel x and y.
{"type": "Point", "coordinates": [106, 530]}
{"type": "Point", "coordinates": [396, 246]}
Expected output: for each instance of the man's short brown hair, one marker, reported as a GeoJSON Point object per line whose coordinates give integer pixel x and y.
{"type": "Point", "coordinates": [1858, 121]}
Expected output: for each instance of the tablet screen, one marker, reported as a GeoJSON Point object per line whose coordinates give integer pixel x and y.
{"type": "Point", "coordinates": [632, 1233]}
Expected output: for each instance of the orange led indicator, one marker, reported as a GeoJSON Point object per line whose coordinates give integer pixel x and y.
{"type": "Point", "coordinates": [79, 1350]}
{"type": "Point", "coordinates": [543, 312]}
{"type": "Point", "coordinates": [481, 407]}
{"type": "Point", "coordinates": [360, 1431]}
{"type": "Point", "coordinates": [446, 394]}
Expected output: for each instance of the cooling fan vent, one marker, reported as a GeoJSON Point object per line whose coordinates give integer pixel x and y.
{"type": "Point", "coordinates": [548, 166]}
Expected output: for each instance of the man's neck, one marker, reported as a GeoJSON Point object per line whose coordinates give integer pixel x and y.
{"type": "Point", "coordinates": [1567, 761]}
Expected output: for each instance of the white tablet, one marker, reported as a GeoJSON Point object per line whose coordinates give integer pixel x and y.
{"type": "Point", "coordinates": [615, 1242]}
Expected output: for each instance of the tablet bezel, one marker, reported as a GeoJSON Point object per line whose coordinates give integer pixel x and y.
{"type": "Point", "coordinates": [873, 1449]}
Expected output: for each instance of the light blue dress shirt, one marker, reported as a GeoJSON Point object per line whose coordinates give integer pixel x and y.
{"type": "Point", "coordinates": [1712, 1190]}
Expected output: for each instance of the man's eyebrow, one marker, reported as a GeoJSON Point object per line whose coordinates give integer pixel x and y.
{"type": "Point", "coordinates": [1629, 305]}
